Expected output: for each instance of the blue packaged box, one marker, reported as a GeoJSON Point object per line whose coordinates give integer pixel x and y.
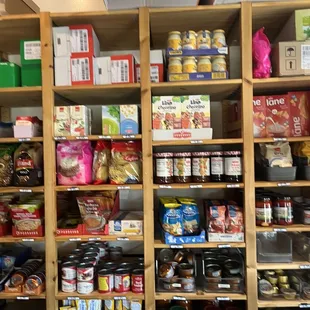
{"type": "Point", "coordinates": [129, 119]}
{"type": "Point", "coordinates": [199, 76]}
{"type": "Point", "coordinates": [170, 239]}
{"type": "Point", "coordinates": [196, 53]}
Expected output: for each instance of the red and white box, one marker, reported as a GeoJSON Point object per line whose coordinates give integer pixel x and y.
{"type": "Point", "coordinates": [28, 127]}
{"type": "Point", "coordinates": [122, 69]}
{"type": "Point", "coordinates": [259, 116]}
{"type": "Point", "coordinates": [82, 70]}
{"type": "Point", "coordinates": [84, 41]}
{"type": "Point", "coordinates": [278, 116]}
{"type": "Point", "coordinates": [300, 107]}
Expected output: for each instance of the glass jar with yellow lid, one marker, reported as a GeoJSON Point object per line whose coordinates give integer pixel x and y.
{"type": "Point", "coordinates": [219, 63]}
{"type": "Point", "coordinates": [174, 40]}
{"type": "Point", "coordinates": [175, 65]}
{"type": "Point", "coordinates": [204, 64]}
{"type": "Point", "coordinates": [189, 41]}
{"type": "Point", "coordinates": [203, 39]}
{"type": "Point", "coordinates": [218, 39]}
{"type": "Point", "coordinates": [189, 65]}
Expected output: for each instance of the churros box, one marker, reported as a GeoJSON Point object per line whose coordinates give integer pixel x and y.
{"type": "Point", "coordinates": [259, 116]}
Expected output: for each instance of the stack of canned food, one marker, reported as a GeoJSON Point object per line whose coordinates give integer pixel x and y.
{"type": "Point", "coordinates": [95, 265]}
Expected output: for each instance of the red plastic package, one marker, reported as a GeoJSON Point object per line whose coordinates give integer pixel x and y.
{"type": "Point", "coordinates": [234, 220]}
{"type": "Point", "coordinates": [261, 55]}
{"type": "Point", "coordinates": [216, 219]}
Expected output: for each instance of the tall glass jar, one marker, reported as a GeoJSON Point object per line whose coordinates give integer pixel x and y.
{"type": "Point", "coordinates": [217, 167]}
{"type": "Point", "coordinates": [163, 168]}
{"type": "Point", "coordinates": [182, 167]}
{"type": "Point", "coordinates": [283, 211]}
{"type": "Point", "coordinates": [233, 166]}
{"type": "Point", "coordinates": [174, 40]}
{"type": "Point", "coordinates": [263, 211]}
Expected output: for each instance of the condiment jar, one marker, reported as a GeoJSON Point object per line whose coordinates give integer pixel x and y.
{"type": "Point", "coordinates": [174, 40]}
{"type": "Point", "coordinates": [182, 167]}
{"type": "Point", "coordinates": [201, 167]}
{"type": "Point", "coordinates": [233, 166]}
{"type": "Point", "coordinates": [204, 64]}
{"type": "Point", "coordinates": [218, 39]}
{"type": "Point", "coordinates": [175, 65]}
{"type": "Point", "coordinates": [217, 167]}
{"type": "Point", "coordinates": [283, 211]}
{"type": "Point", "coordinates": [163, 168]}
{"type": "Point", "coordinates": [203, 39]}
{"type": "Point", "coordinates": [189, 65]}
{"type": "Point", "coordinates": [189, 40]}
{"type": "Point", "coordinates": [263, 211]}
{"type": "Point", "coordinates": [219, 64]}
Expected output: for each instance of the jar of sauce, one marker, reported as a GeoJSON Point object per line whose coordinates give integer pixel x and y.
{"type": "Point", "coordinates": [218, 39]}
{"type": "Point", "coordinates": [189, 65]}
{"type": "Point", "coordinates": [175, 65]}
{"type": "Point", "coordinates": [283, 211]}
{"type": "Point", "coordinates": [217, 167]}
{"type": "Point", "coordinates": [203, 39]}
{"type": "Point", "coordinates": [182, 167]}
{"type": "Point", "coordinates": [201, 167]}
{"type": "Point", "coordinates": [189, 40]}
{"type": "Point", "coordinates": [233, 166]}
{"type": "Point", "coordinates": [163, 168]}
{"type": "Point", "coordinates": [174, 40]}
{"type": "Point", "coordinates": [219, 64]}
{"type": "Point", "coordinates": [204, 64]}
{"type": "Point", "coordinates": [263, 211]}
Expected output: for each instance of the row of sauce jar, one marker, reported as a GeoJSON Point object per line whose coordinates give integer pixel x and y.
{"type": "Point", "coordinates": [191, 40]}
{"type": "Point", "coordinates": [198, 167]}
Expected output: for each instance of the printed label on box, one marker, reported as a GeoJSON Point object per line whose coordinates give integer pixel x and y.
{"type": "Point", "coordinates": [305, 57]}
{"type": "Point", "coordinates": [80, 69]}
{"type": "Point", "coordinates": [32, 50]}
{"type": "Point", "coordinates": [120, 71]}
{"type": "Point", "coordinates": [79, 41]}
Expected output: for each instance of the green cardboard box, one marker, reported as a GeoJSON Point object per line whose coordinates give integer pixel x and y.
{"type": "Point", "coordinates": [30, 52]}
{"type": "Point", "coordinates": [31, 75]}
{"type": "Point", "coordinates": [9, 75]}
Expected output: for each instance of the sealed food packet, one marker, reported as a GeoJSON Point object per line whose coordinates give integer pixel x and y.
{"type": "Point", "coordinates": [216, 216]}
{"type": "Point", "coordinates": [190, 216]}
{"type": "Point", "coordinates": [276, 154]}
{"type": "Point", "coordinates": [102, 158]}
{"type": "Point", "coordinates": [6, 164]}
{"type": "Point", "coordinates": [234, 220]}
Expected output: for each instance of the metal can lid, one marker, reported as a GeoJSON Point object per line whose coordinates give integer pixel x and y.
{"type": "Point", "coordinates": [138, 272]}
{"type": "Point", "coordinates": [122, 271]}
{"type": "Point", "coordinates": [69, 264]}
{"type": "Point", "coordinates": [201, 154]}
{"type": "Point", "coordinates": [229, 153]}
{"type": "Point", "coordinates": [216, 153]}
{"type": "Point", "coordinates": [163, 154]}
{"type": "Point", "coordinates": [183, 154]}
{"type": "Point", "coordinates": [104, 272]}
{"type": "Point", "coordinates": [85, 265]}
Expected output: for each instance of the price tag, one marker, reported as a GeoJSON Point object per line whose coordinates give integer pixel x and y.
{"type": "Point", "coordinates": [94, 239]}
{"type": "Point", "coordinates": [73, 189]}
{"type": "Point", "coordinates": [75, 239]}
{"type": "Point", "coordinates": [28, 240]}
{"type": "Point", "coordinates": [24, 139]}
{"type": "Point", "coordinates": [81, 138]}
{"type": "Point", "coordinates": [279, 139]}
{"type": "Point", "coordinates": [176, 285]}
{"type": "Point", "coordinates": [60, 138]}
{"type": "Point", "coordinates": [120, 298]}
{"type": "Point", "coordinates": [195, 186]}
{"type": "Point", "coordinates": [284, 184]}
{"type": "Point", "coordinates": [165, 186]}
{"type": "Point", "coordinates": [304, 306]}
{"type": "Point", "coordinates": [25, 190]}
{"type": "Point", "coordinates": [123, 187]}
{"type": "Point", "coordinates": [122, 239]}
{"type": "Point", "coordinates": [129, 136]}
{"type": "Point", "coordinates": [223, 286]}
{"type": "Point", "coordinates": [73, 298]}
{"type": "Point", "coordinates": [304, 266]}
{"type": "Point", "coordinates": [233, 185]}
{"type": "Point", "coordinates": [179, 298]}
{"type": "Point", "coordinates": [223, 50]}
{"type": "Point", "coordinates": [224, 246]}
{"type": "Point", "coordinates": [222, 298]}
{"type": "Point", "coordinates": [280, 229]}
{"type": "Point", "coordinates": [22, 298]}
{"type": "Point", "coordinates": [176, 246]}
{"type": "Point", "coordinates": [196, 141]}
{"type": "Point", "coordinates": [104, 137]}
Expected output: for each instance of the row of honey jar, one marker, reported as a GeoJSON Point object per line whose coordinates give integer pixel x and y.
{"type": "Point", "coordinates": [197, 64]}
{"type": "Point", "coordinates": [190, 40]}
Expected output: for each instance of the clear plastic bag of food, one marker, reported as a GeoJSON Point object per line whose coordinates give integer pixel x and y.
{"type": "Point", "coordinates": [102, 157]}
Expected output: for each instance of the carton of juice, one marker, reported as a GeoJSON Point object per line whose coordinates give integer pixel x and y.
{"type": "Point", "coordinates": [259, 116]}
{"type": "Point", "coordinates": [111, 120]}
{"type": "Point", "coordinates": [196, 112]}
{"type": "Point", "coordinates": [166, 112]}
{"type": "Point", "coordinates": [80, 120]}
{"type": "Point", "coordinates": [277, 116]}
{"type": "Point", "coordinates": [300, 106]}
{"type": "Point", "coordinates": [129, 118]}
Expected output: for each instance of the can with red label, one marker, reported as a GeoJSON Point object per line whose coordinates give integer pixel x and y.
{"type": "Point", "coordinates": [122, 280]}
{"type": "Point", "coordinates": [85, 272]}
{"type": "Point", "coordinates": [137, 281]}
{"type": "Point", "coordinates": [68, 271]}
{"type": "Point", "coordinates": [105, 281]}
{"type": "Point", "coordinates": [85, 287]}
{"type": "Point", "coordinates": [68, 286]}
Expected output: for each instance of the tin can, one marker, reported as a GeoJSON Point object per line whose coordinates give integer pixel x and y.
{"type": "Point", "coordinates": [102, 249]}
{"type": "Point", "coordinates": [68, 286]}
{"type": "Point", "coordinates": [122, 280]}
{"type": "Point", "coordinates": [85, 287]}
{"type": "Point", "coordinates": [110, 265]}
{"type": "Point", "coordinates": [83, 246]}
{"type": "Point", "coordinates": [128, 266]}
{"type": "Point", "coordinates": [68, 271]}
{"type": "Point", "coordinates": [85, 272]}
{"type": "Point", "coordinates": [92, 254]}
{"type": "Point", "coordinates": [90, 260]}
{"type": "Point", "coordinates": [105, 281]}
{"type": "Point", "coordinates": [78, 252]}
{"type": "Point", "coordinates": [137, 281]}
{"type": "Point", "coordinates": [73, 257]}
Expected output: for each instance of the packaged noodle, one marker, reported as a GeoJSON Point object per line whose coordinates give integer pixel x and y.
{"type": "Point", "coordinates": [126, 165]}
{"type": "Point", "coordinates": [136, 304]}
{"type": "Point", "coordinates": [102, 157]}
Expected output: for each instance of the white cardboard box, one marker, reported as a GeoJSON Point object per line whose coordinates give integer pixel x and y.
{"type": "Point", "coordinates": [102, 67]}
{"type": "Point", "coordinates": [62, 42]}
{"type": "Point", "coordinates": [126, 223]}
{"type": "Point", "coordinates": [219, 237]}
{"type": "Point", "coordinates": [62, 71]}
{"type": "Point", "coordinates": [182, 134]}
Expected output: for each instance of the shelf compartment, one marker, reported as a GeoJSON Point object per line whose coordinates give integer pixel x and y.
{"type": "Point", "coordinates": [290, 139]}
{"type": "Point", "coordinates": [19, 140]}
{"type": "Point", "coordinates": [97, 238]}
{"type": "Point", "coordinates": [198, 142]}
{"type": "Point", "coordinates": [200, 295]}
{"type": "Point", "coordinates": [98, 94]}
{"type": "Point", "coordinates": [217, 89]}
{"type": "Point", "coordinates": [15, 189]}
{"type": "Point", "coordinates": [10, 239]}
{"type": "Point", "coordinates": [20, 296]}
{"type": "Point", "coordinates": [106, 187]}
{"type": "Point", "coordinates": [99, 137]}
{"type": "Point", "coordinates": [277, 228]}
{"type": "Point", "coordinates": [202, 185]}
{"type": "Point", "coordinates": [20, 96]}
{"type": "Point", "coordinates": [283, 303]}
{"type": "Point", "coordinates": [158, 244]}
{"type": "Point", "coordinates": [282, 184]}
{"type": "Point", "coordinates": [97, 295]}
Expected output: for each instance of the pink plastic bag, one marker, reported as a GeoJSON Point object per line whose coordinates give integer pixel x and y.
{"type": "Point", "coordinates": [261, 51]}
{"type": "Point", "coordinates": [74, 163]}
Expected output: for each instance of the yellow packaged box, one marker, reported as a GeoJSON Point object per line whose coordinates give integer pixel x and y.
{"type": "Point", "coordinates": [126, 223]}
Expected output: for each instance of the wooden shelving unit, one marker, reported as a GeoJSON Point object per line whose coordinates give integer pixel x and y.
{"type": "Point", "coordinates": [146, 29]}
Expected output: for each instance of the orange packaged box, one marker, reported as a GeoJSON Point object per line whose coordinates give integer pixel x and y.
{"type": "Point", "coordinates": [259, 116]}
{"type": "Point", "coordinates": [299, 106]}
{"type": "Point", "coordinates": [277, 116]}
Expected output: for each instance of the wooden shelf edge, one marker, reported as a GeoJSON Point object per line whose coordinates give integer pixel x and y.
{"type": "Point", "coordinates": [197, 83]}
{"type": "Point", "coordinates": [97, 295]}
{"type": "Point", "coordinates": [4, 295]}
{"type": "Point", "coordinates": [282, 184]}
{"type": "Point", "coordinates": [198, 142]}
{"type": "Point", "coordinates": [285, 266]}
{"type": "Point", "coordinates": [20, 89]}
{"type": "Point", "coordinates": [158, 244]}
{"type": "Point", "coordinates": [97, 238]}
{"type": "Point", "coordinates": [105, 187]}
{"type": "Point", "coordinates": [281, 303]}
{"type": "Point", "coordinates": [198, 185]}
{"type": "Point", "coordinates": [199, 295]}
{"type": "Point", "coordinates": [11, 239]}
{"type": "Point", "coordinates": [99, 137]}
{"type": "Point", "coordinates": [290, 139]}
{"type": "Point", "coordinates": [20, 140]}
{"type": "Point", "coordinates": [296, 227]}
{"type": "Point", "coordinates": [20, 16]}
{"type": "Point", "coordinates": [94, 13]}
{"type": "Point", "coordinates": [96, 87]}
{"type": "Point", "coordinates": [17, 189]}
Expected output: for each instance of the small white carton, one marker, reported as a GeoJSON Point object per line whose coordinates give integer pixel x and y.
{"type": "Point", "coordinates": [126, 223]}
{"type": "Point", "coordinates": [61, 121]}
{"type": "Point", "coordinates": [102, 67]}
{"type": "Point", "coordinates": [62, 71]}
{"type": "Point", "coordinates": [62, 42]}
{"type": "Point", "coordinates": [79, 120]}
{"type": "Point", "coordinates": [129, 117]}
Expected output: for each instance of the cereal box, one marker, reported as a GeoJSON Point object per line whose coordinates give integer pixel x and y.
{"type": "Point", "coordinates": [166, 112]}
{"type": "Point", "coordinates": [80, 120]}
{"type": "Point", "coordinates": [196, 112]}
{"type": "Point", "coordinates": [129, 118]}
{"type": "Point", "coordinates": [259, 116]}
{"type": "Point", "coordinates": [299, 106]}
{"type": "Point", "coordinates": [277, 116]}
{"type": "Point", "coordinates": [62, 121]}
{"type": "Point", "coordinates": [111, 120]}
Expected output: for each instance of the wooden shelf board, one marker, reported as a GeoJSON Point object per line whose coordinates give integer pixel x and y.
{"type": "Point", "coordinates": [282, 183]}
{"type": "Point", "coordinates": [105, 187]}
{"type": "Point", "coordinates": [158, 244]}
{"type": "Point", "coordinates": [284, 266]}
{"type": "Point", "coordinates": [16, 189]}
{"type": "Point", "coordinates": [199, 295]}
{"type": "Point", "coordinates": [19, 140]}
{"type": "Point", "coordinates": [290, 139]}
{"type": "Point", "coordinates": [198, 142]}
{"type": "Point", "coordinates": [97, 295]}
{"type": "Point", "coordinates": [100, 137]}
{"type": "Point", "coordinates": [99, 94]}
{"type": "Point", "coordinates": [202, 185]}
{"type": "Point", "coordinates": [217, 89]}
{"type": "Point", "coordinates": [4, 295]}
{"type": "Point", "coordinates": [20, 96]}
{"type": "Point", "coordinates": [11, 239]}
{"type": "Point", "coordinates": [281, 303]}
{"type": "Point", "coordinates": [296, 227]}
{"type": "Point", "coordinates": [97, 238]}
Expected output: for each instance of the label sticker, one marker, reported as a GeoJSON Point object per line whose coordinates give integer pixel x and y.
{"type": "Point", "coordinates": [223, 286]}
{"type": "Point", "coordinates": [94, 239]}
{"type": "Point", "coordinates": [280, 230]}
{"type": "Point", "coordinates": [104, 137]}
{"type": "Point", "coordinates": [79, 41]}
{"type": "Point", "coordinates": [74, 239]}
{"type": "Point", "coordinates": [222, 298]}
{"type": "Point", "coordinates": [279, 139]}
{"type": "Point", "coordinates": [23, 139]}
{"type": "Point", "coordinates": [164, 186]}
{"type": "Point", "coordinates": [176, 246]}
{"type": "Point", "coordinates": [80, 69]}
{"type": "Point", "coordinates": [195, 186]}
{"type": "Point", "coordinates": [25, 190]}
{"type": "Point", "coordinates": [120, 71]}
{"type": "Point", "coordinates": [73, 298]}
{"type": "Point", "coordinates": [233, 185]}
{"type": "Point", "coordinates": [60, 138]}
{"type": "Point", "coordinates": [196, 141]}
{"type": "Point", "coordinates": [304, 306]}
{"type": "Point", "coordinates": [120, 298]}
{"type": "Point", "coordinates": [122, 239]}
{"type": "Point", "coordinates": [284, 184]}
{"type": "Point", "coordinates": [304, 266]}
{"type": "Point", "coordinates": [123, 187]}
{"type": "Point", "coordinates": [176, 285]}
{"type": "Point", "coordinates": [223, 50]}
{"type": "Point", "coordinates": [28, 240]}
{"type": "Point", "coordinates": [22, 298]}
{"type": "Point", "coordinates": [129, 136]}
{"type": "Point", "coordinates": [81, 138]}
{"type": "Point", "coordinates": [178, 298]}
{"type": "Point", "coordinates": [32, 50]}
{"type": "Point", "coordinates": [305, 57]}
{"type": "Point", "coordinates": [73, 189]}
{"type": "Point", "coordinates": [224, 246]}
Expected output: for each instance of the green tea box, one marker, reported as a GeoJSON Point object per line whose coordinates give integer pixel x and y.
{"type": "Point", "coordinates": [110, 120]}
{"type": "Point", "coordinates": [30, 52]}
{"type": "Point", "coordinates": [9, 75]}
{"type": "Point", "coordinates": [31, 75]}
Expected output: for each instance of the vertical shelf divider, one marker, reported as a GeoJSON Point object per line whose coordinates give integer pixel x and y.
{"type": "Point", "coordinates": [248, 154]}
{"type": "Point", "coordinates": [49, 161]}
{"type": "Point", "coordinates": [147, 163]}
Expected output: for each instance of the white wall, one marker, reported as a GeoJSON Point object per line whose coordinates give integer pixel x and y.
{"type": "Point", "coordinates": [70, 5]}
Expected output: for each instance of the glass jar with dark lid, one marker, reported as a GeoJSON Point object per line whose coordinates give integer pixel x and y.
{"type": "Point", "coordinates": [201, 167]}
{"type": "Point", "coordinates": [163, 168]}
{"type": "Point", "coordinates": [182, 167]}
{"type": "Point", "coordinates": [217, 167]}
{"type": "Point", "coordinates": [233, 166]}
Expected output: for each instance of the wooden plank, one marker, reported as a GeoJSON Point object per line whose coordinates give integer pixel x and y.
{"type": "Point", "coordinates": [97, 295]}
{"type": "Point", "coordinates": [98, 238]}
{"type": "Point", "coordinates": [15, 96]}
{"type": "Point", "coordinates": [16, 296]}
{"type": "Point", "coordinates": [17, 189]}
{"type": "Point", "coordinates": [262, 184]}
{"type": "Point", "coordinates": [104, 187]}
{"type": "Point", "coordinates": [147, 164]}
{"type": "Point", "coordinates": [295, 227]}
{"type": "Point", "coordinates": [100, 137]}
{"type": "Point", "coordinates": [18, 140]}
{"type": "Point", "coordinates": [248, 155]}
{"type": "Point", "coordinates": [282, 303]}
{"type": "Point", "coordinates": [291, 139]}
{"type": "Point", "coordinates": [200, 295]}
{"type": "Point", "coordinates": [11, 239]}
{"type": "Point", "coordinates": [285, 266]}
{"type": "Point", "coordinates": [158, 244]}
{"type": "Point", "coordinates": [198, 142]}
{"type": "Point", "coordinates": [49, 161]}
{"type": "Point", "coordinates": [196, 185]}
